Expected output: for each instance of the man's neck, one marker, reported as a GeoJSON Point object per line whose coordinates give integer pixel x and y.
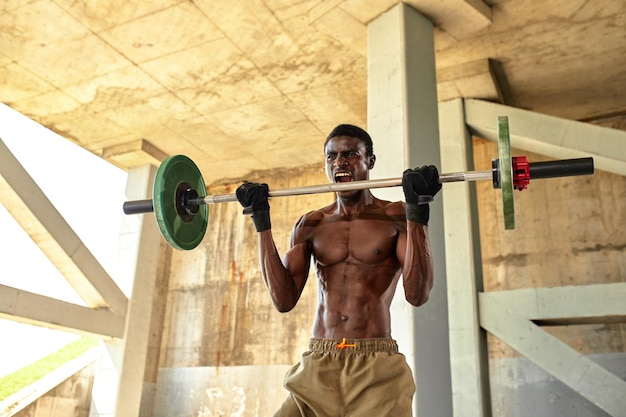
{"type": "Point", "coordinates": [355, 203]}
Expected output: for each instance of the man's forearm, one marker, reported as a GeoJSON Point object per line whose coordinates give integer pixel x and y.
{"type": "Point", "coordinates": [277, 278]}
{"type": "Point", "coordinates": [417, 272]}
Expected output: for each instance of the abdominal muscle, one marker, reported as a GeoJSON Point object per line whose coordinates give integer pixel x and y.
{"type": "Point", "coordinates": [357, 271]}
{"type": "Point", "coordinates": [354, 301]}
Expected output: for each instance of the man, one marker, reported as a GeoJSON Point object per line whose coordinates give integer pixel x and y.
{"type": "Point", "coordinates": [360, 246]}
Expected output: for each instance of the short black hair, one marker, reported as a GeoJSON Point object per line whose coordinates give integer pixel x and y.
{"type": "Point", "coordinates": [353, 132]}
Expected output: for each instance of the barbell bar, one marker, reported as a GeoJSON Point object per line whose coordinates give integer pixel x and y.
{"type": "Point", "coordinates": [146, 206]}
{"type": "Point", "coordinates": [182, 213]}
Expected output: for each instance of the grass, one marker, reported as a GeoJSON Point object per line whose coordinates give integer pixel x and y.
{"type": "Point", "coordinates": [12, 383]}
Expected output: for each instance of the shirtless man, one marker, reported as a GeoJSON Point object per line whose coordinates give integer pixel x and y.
{"type": "Point", "coordinates": [360, 246]}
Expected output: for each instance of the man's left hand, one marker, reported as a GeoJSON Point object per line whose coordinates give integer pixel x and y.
{"type": "Point", "coordinates": [423, 181]}
{"type": "Point", "coordinates": [420, 181]}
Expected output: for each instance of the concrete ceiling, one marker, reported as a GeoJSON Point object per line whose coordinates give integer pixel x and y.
{"type": "Point", "coordinates": [245, 85]}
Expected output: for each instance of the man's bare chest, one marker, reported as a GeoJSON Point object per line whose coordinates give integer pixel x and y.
{"type": "Point", "coordinates": [360, 240]}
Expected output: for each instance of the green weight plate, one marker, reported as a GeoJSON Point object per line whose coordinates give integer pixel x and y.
{"type": "Point", "coordinates": [181, 230]}
{"type": "Point", "coordinates": [506, 172]}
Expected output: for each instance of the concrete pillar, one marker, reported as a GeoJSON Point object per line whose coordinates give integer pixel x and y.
{"type": "Point", "coordinates": [106, 380]}
{"type": "Point", "coordinates": [468, 343]}
{"type": "Point", "coordinates": [119, 382]}
{"type": "Point", "coordinates": [403, 122]}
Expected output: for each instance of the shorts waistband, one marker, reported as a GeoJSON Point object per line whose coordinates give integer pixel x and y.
{"type": "Point", "coordinates": [354, 345]}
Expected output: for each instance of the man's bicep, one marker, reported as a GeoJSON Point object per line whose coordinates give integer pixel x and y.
{"type": "Point", "coordinates": [297, 258]}
{"type": "Point", "coordinates": [298, 261]}
{"type": "Point", "coordinates": [397, 213]}
{"type": "Point", "coordinates": [401, 246]}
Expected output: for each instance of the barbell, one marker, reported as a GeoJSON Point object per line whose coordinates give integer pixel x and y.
{"type": "Point", "coordinates": [182, 214]}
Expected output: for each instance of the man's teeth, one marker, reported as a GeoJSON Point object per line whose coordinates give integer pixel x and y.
{"type": "Point", "coordinates": [340, 175]}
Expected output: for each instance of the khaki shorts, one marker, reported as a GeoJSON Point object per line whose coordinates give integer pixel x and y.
{"type": "Point", "coordinates": [367, 377]}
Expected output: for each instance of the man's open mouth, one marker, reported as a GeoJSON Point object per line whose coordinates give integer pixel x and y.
{"type": "Point", "coordinates": [343, 176]}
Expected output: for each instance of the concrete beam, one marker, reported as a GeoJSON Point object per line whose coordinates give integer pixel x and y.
{"type": "Point", "coordinates": [122, 386]}
{"type": "Point", "coordinates": [27, 307]}
{"type": "Point", "coordinates": [506, 316]}
{"type": "Point", "coordinates": [402, 120]}
{"type": "Point", "coordinates": [133, 154]}
{"type": "Point", "coordinates": [475, 79]}
{"type": "Point", "coordinates": [92, 283]}
{"type": "Point", "coordinates": [576, 304]}
{"type": "Point", "coordinates": [549, 135]}
{"type": "Point", "coordinates": [145, 301]}
{"type": "Point", "coordinates": [457, 17]}
{"type": "Point", "coordinates": [468, 342]}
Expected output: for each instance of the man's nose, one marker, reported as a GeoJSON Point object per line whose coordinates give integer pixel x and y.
{"type": "Point", "coordinates": [341, 161]}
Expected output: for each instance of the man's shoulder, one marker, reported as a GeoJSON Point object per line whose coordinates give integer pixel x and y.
{"type": "Point", "coordinates": [322, 211]}
{"type": "Point", "coordinates": [394, 210]}
{"type": "Point", "coordinates": [311, 218]}
{"type": "Point", "coordinates": [391, 207]}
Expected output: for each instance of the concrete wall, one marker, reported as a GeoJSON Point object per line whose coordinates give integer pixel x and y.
{"type": "Point", "coordinates": [71, 398]}
{"type": "Point", "coordinates": [225, 348]}
{"type": "Point", "coordinates": [520, 388]}
{"type": "Point", "coordinates": [569, 231]}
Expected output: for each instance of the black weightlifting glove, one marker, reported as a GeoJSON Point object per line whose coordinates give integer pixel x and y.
{"type": "Point", "coordinates": [415, 182]}
{"type": "Point", "coordinates": [254, 197]}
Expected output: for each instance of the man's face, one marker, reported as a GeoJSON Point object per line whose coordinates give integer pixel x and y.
{"type": "Point", "coordinates": [346, 159]}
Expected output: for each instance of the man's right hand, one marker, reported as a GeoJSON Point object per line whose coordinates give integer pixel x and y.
{"type": "Point", "coordinates": [254, 196]}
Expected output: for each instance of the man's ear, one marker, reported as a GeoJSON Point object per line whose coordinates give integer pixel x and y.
{"type": "Point", "coordinates": [372, 161]}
